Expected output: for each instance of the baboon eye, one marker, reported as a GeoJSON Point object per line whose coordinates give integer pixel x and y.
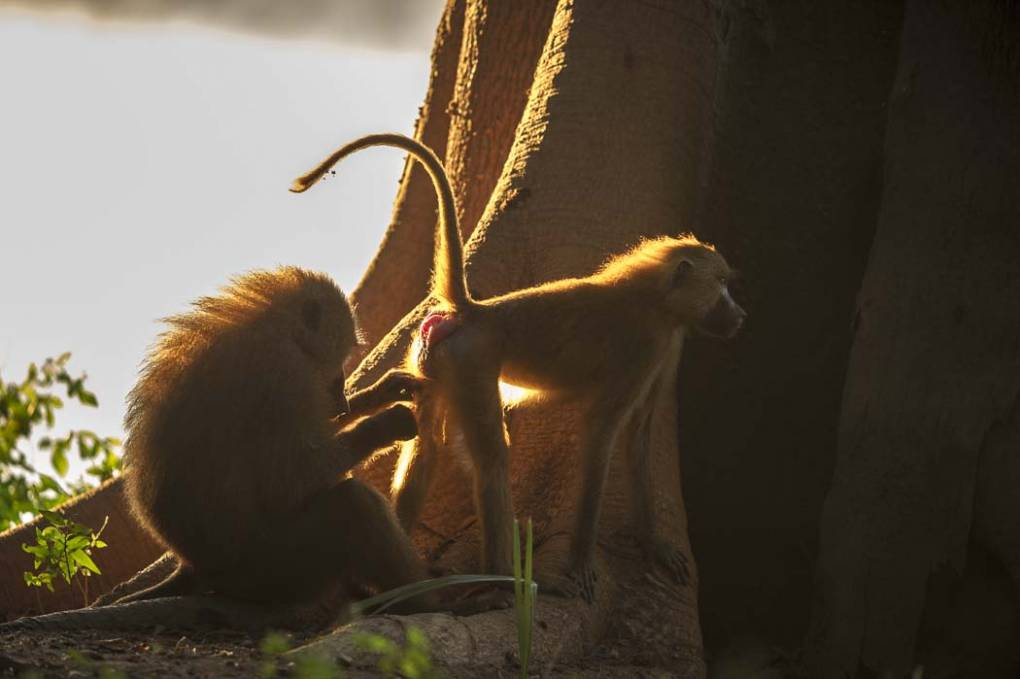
{"type": "Point", "coordinates": [682, 271]}
{"type": "Point", "coordinates": [311, 313]}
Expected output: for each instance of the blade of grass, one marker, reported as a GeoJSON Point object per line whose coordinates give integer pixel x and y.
{"type": "Point", "coordinates": [398, 594]}
{"type": "Point", "coordinates": [530, 592]}
{"type": "Point", "coordinates": [518, 590]}
{"type": "Point", "coordinates": [520, 605]}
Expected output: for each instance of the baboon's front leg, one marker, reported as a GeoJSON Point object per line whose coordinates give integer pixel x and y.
{"type": "Point", "coordinates": [602, 432]}
{"type": "Point", "coordinates": [602, 425]}
{"type": "Point", "coordinates": [672, 558]}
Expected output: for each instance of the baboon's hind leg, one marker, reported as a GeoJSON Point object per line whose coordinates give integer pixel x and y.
{"type": "Point", "coordinates": [341, 538]}
{"type": "Point", "coordinates": [377, 552]}
{"type": "Point", "coordinates": [478, 411]}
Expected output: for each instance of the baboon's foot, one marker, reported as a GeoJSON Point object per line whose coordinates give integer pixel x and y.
{"type": "Point", "coordinates": [492, 599]}
{"type": "Point", "coordinates": [579, 581]}
{"type": "Point", "coordinates": [672, 559]}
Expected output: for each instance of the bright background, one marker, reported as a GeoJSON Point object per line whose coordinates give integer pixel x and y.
{"type": "Point", "coordinates": [143, 164]}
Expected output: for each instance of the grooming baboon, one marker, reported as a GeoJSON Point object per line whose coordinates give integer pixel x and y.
{"type": "Point", "coordinates": [610, 338]}
{"type": "Point", "coordinates": [237, 455]}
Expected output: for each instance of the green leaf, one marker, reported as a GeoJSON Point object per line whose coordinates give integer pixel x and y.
{"type": "Point", "coordinates": [47, 482]}
{"type": "Point", "coordinates": [39, 551]}
{"type": "Point", "coordinates": [84, 560]}
{"type": "Point", "coordinates": [58, 458]}
{"type": "Point", "coordinates": [77, 542]}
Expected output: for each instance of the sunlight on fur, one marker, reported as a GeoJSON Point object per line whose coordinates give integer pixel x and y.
{"type": "Point", "coordinates": [511, 394]}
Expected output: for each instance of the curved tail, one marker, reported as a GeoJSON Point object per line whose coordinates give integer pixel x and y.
{"type": "Point", "coordinates": [448, 282]}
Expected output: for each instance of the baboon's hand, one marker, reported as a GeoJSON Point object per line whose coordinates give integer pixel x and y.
{"type": "Point", "coordinates": [399, 422]}
{"type": "Point", "coordinates": [396, 385]}
{"type": "Point", "coordinates": [356, 443]}
{"type": "Point", "coordinates": [401, 385]}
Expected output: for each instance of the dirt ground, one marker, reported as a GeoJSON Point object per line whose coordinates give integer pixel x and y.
{"type": "Point", "coordinates": [110, 655]}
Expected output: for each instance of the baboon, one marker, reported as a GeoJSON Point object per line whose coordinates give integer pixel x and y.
{"type": "Point", "coordinates": [238, 447]}
{"type": "Point", "coordinates": [611, 339]}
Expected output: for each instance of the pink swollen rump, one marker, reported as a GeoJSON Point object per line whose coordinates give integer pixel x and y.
{"type": "Point", "coordinates": [436, 327]}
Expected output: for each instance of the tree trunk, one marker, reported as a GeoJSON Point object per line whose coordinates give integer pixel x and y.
{"type": "Point", "coordinates": [571, 193]}
{"type": "Point", "coordinates": [928, 447]}
{"type": "Point", "coordinates": [475, 100]}
{"type": "Point", "coordinates": [502, 44]}
{"type": "Point", "coordinates": [791, 201]}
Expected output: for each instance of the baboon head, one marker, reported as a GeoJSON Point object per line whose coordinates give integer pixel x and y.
{"type": "Point", "coordinates": [295, 307]}
{"type": "Point", "coordinates": [701, 284]}
{"type": "Point", "coordinates": [698, 287]}
{"type": "Point", "coordinates": [324, 330]}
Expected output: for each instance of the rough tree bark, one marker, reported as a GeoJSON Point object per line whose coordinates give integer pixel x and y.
{"type": "Point", "coordinates": [398, 276]}
{"type": "Point", "coordinates": [928, 446]}
{"type": "Point", "coordinates": [791, 200]}
{"type": "Point", "coordinates": [482, 67]}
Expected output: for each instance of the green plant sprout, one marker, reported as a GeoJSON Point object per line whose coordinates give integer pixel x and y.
{"type": "Point", "coordinates": [272, 646]}
{"type": "Point", "coordinates": [63, 548]}
{"type": "Point", "coordinates": [525, 593]}
{"type": "Point", "coordinates": [306, 666]}
{"type": "Point", "coordinates": [87, 667]}
{"type": "Point", "coordinates": [412, 660]}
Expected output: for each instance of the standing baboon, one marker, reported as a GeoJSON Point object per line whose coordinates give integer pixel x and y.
{"type": "Point", "coordinates": [606, 338]}
{"type": "Point", "coordinates": [236, 456]}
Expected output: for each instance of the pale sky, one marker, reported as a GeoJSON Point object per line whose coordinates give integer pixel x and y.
{"type": "Point", "coordinates": [143, 165]}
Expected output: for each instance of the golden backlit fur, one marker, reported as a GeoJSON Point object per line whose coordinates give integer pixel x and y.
{"type": "Point", "coordinates": [236, 458]}
{"type": "Point", "coordinates": [612, 338]}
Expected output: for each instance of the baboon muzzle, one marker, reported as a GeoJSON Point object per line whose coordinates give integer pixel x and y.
{"type": "Point", "coordinates": [724, 318]}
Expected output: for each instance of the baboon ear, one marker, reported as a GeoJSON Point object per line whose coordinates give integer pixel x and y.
{"type": "Point", "coordinates": [311, 314]}
{"type": "Point", "coordinates": [307, 332]}
{"type": "Point", "coordinates": [682, 271]}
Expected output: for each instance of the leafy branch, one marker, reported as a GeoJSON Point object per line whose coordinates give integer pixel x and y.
{"type": "Point", "coordinates": [31, 404]}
